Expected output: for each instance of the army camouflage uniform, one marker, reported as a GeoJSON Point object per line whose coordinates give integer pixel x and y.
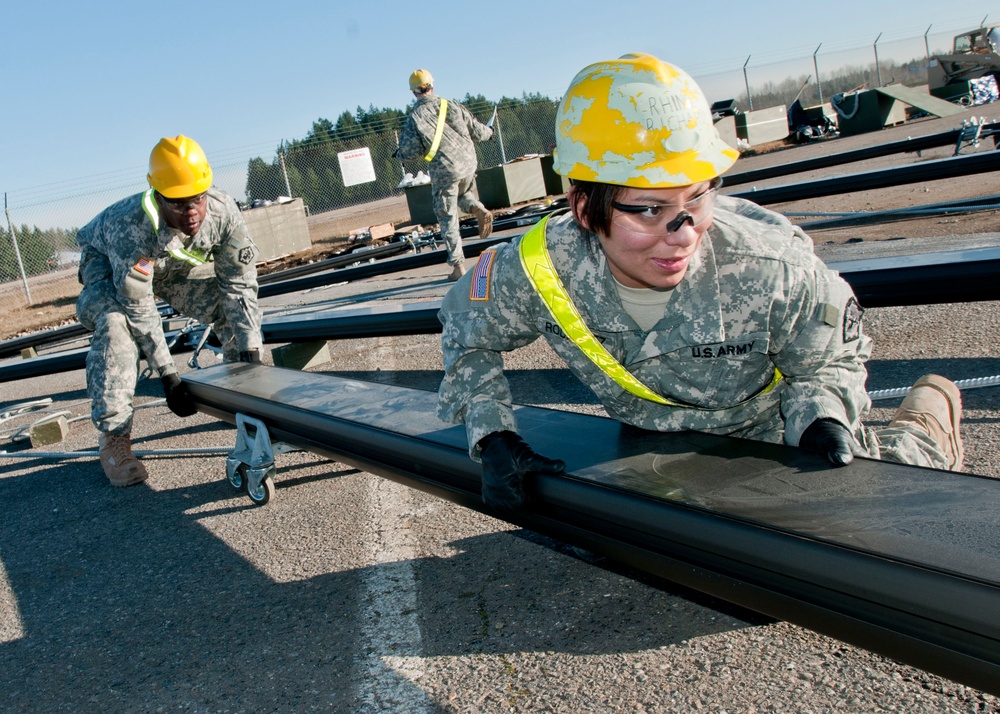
{"type": "Point", "coordinates": [122, 311]}
{"type": "Point", "coordinates": [453, 168]}
{"type": "Point", "coordinates": [755, 298]}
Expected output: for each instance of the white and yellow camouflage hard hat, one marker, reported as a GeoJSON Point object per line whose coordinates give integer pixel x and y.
{"type": "Point", "coordinates": [638, 121]}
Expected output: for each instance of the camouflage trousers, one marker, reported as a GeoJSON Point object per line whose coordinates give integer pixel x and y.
{"type": "Point", "coordinates": [904, 444]}
{"type": "Point", "coordinates": [113, 359]}
{"type": "Point", "coordinates": [448, 199]}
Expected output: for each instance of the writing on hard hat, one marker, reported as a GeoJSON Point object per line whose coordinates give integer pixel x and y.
{"type": "Point", "coordinates": [178, 168]}
{"type": "Point", "coordinates": [638, 121]}
{"type": "Point", "coordinates": [419, 79]}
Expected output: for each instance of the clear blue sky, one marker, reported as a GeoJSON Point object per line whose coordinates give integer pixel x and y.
{"type": "Point", "coordinates": [88, 88]}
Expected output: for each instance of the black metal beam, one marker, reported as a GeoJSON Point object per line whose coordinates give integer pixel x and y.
{"type": "Point", "coordinates": [525, 216]}
{"type": "Point", "coordinates": [333, 263]}
{"type": "Point", "coordinates": [380, 320]}
{"type": "Point", "coordinates": [848, 552]}
{"type": "Point", "coordinates": [60, 334]}
{"type": "Point", "coordinates": [971, 275]}
{"type": "Point", "coordinates": [957, 276]}
{"type": "Point", "coordinates": [858, 218]}
{"type": "Point", "coordinates": [382, 267]}
{"type": "Point", "coordinates": [65, 361]}
{"type": "Point", "coordinates": [880, 178]}
{"type": "Point", "coordinates": [48, 337]}
{"type": "Point", "coordinates": [914, 144]}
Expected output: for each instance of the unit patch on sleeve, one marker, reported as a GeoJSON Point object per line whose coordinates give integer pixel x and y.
{"type": "Point", "coordinates": [246, 255]}
{"type": "Point", "coordinates": [480, 288]}
{"type": "Point", "coordinates": [852, 320]}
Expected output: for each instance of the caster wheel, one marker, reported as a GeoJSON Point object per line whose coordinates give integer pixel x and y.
{"type": "Point", "coordinates": [261, 495]}
{"type": "Point", "coordinates": [238, 478]}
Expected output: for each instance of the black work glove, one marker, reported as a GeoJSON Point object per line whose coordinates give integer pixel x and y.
{"type": "Point", "coordinates": [178, 396]}
{"type": "Point", "coordinates": [507, 459]}
{"type": "Point", "coordinates": [251, 356]}
{"type": "Point", "coordinates": [830, 438]}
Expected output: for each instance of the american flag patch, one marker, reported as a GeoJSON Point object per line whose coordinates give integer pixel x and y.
{"type": "Point", "coordinates": [144, 266]}
{"type": "Point", "coordinates": [480, 289]}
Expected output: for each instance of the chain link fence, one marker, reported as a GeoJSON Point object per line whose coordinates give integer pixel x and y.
{"type": "Point", "coordinates": [38, 251]}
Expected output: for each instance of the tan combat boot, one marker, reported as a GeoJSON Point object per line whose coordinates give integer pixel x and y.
{"type": "Point", "coordinates": [485, 220]}
{"type": "Point", "coordinates": [457, 272]}
{"type": "Point", "coordinates": [934, 405]}
{"type": "Point", "coordinates": [118, 461]}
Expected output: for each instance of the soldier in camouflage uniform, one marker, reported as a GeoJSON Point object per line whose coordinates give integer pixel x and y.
{"type": "Point", "coordinates": [182, 241]}
{"type": "Point", "coordinates": [679, 308]}
{"type": "Point", "coordinates": [442, 132]}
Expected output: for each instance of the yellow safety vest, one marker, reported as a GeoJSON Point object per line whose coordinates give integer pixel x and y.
{"type": "Point", "coordinates": [193, 257]}
{"type": "Point", "coordinates": [438, 130]}
{"type": "Point", "coordinates": [538, 266]}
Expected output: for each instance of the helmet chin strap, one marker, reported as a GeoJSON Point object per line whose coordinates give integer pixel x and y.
{"type": "Point", "coordinates": [679, 220]}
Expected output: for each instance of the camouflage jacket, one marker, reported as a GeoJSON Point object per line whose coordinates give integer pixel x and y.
{"type": "Point", "coordinates": [122, 235]}
{"type": "Point", "coordinates": [456, 156]}
{"type": "Point", "coordinates": [755, 298]}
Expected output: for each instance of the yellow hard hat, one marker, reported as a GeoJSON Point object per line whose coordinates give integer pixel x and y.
{"type": "Point", "coordinates": [420, 78]}
{"type": "Point", "coordinates": [178, 168]}
{"type": "Point", "coordinates": [638, 121]}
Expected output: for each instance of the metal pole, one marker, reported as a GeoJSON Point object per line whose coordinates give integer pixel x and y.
{"type": "Point", "coordinates": [17, 251]}
{"type": "Point", "coordinates": [746, 83]}
{"type": "Point", "coordinates": [819, 84]}
{"type": "Point", "coordinates": [402, 169]}
{"type": "Point", "coordinates": [203, 451]}
{"type": "Point", "coordinates": [878, 70]}
{"type": "Point", "coordinates": [503, 153]}
{"type": "Point", "coordinates": [284, 171]}
{"type": "Point", "coordinates": [927, 46]}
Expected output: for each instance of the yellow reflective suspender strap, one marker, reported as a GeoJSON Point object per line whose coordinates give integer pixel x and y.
{"type": "Point", "coordinates": [538, 266]}
{"type": "Point", "coordinates": [149, 206]}
{"type": "Point", "coordinates": [438, 130]}
{"type": "Point", "coordinates": [180, 253]}
{"type": "Point", "coordinates": [188, 256]}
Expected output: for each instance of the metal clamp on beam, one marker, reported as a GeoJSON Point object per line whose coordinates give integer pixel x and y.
{"type": "Point", "coordinates": [250, 465]}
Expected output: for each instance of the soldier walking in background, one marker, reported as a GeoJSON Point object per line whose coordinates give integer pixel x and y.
{"type": "Point", "coordinates": [443, 132]}
{"type": "Point", "coordinates": [182, 241]}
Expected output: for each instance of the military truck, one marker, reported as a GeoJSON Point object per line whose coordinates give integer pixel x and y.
{"type": "Point", "coordinates": [970, 74]}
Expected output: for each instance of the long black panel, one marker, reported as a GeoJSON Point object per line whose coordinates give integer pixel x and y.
{"type": "Point", "coordinates": [379, 320]}
{"type": "Point", "coordinates": [923, 210]}
{"type": "Point", "coordinates": [901, 560]}
{"type": "Point", "coordinates": [971, 275]}
{"type": "Point", "coordinates": [914, 144]}
{"type": "Point", "coordinates": [524, 216]}
{"type": "Point", "coordinates": [335, 262]}
{"type": "Point", "coordinates": [64, 361]}
{"type": "Point", "coordinates": [60, 334]}
{"type": "Point", "coordinates": [953, 276]}
{"type": "Point", "coordinates": [382, 267]}
{"type": "Point", "coordinates": [956, 276]}
{"type": "Point", "coordinates": [880, 178]}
